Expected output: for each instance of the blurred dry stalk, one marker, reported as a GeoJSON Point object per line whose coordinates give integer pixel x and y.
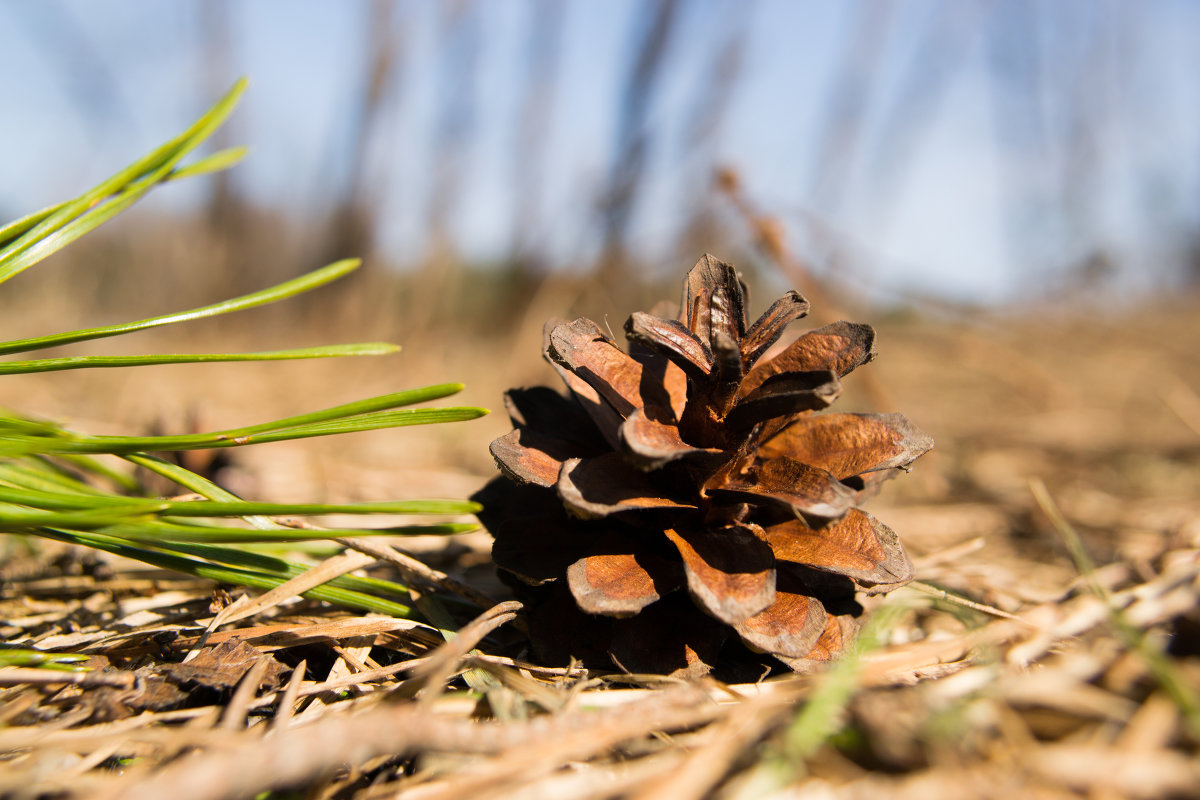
{"type": "Point", "coordinates": [354, 219]}
{"type": "Point", "coordinates": [651, 34]}
{"type": "Point", "coordinates": [768, 235]}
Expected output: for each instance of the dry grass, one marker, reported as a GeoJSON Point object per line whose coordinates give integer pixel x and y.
{"type": "Point", "coordinates": [1049, 683]}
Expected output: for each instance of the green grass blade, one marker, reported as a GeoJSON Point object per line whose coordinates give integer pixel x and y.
{"type": "Point", "coordinates": [12, 230]}
{"type": "Point", "coordinates": [160, 531]}
{"type": "Point", "coordinates": [225, 574]}
{"type": "Point", "coordinates": [262, 562]}
{"type": "Point", "coordinates": [79, 443]}
{"type": "Point", "coordinates": [149, 520]}
{"type": "Point", "coordinates": [25, 427]}
{"type": "Point", "coordinates": [272, 294]}
{"type": "Point", "coordinates": [57, 501]}
{"type": "Point", "coordinates": [370, 422]}
{"type": "Point", "coordinates": [357, 409]}
{"type": "Point", "coordinates": [24, 437]}
{"type": "Point", "coordinates": [134, 524]}
{"type": "Point", "coordinates": [253, 560]}
{"type": "Point", "coordinates": [18, 519]}
{"type": "Point", "coordinates": [205, 508]}
{"type": "Point", "coordinates": [104, 362]}
{"type": "Point", "coordinates": [239, 558]}
{"type": "Point", "coordinates": [196, 483]}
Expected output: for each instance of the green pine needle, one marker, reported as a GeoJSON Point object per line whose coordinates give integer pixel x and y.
{"type": "Point", "coordinates": [94, 362]}
{"type": "Point", "coordinates": [272, 294]}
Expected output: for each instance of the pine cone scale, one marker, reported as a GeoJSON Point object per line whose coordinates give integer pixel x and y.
{"type": "Point", "coordinates": [857, 545]}
{"type": "Point", "coordinates": [620, 581]}
{"type": "Point", "coordinates": [784, 395]}
{"type": "Point", "coordinates": [789, 627]}
{"type": "Point", "coordinates": [846, 445]}
{"type": "Point", "coordinates": [840, 347]}
{"type": "Point", "coordinates": [584, 350]}
{"type": "Point", "coordinates": [673, 340]}
{"type": "Point", "coordinates": [597, 487]}
{"type": "Point", "coordinates": [730, 571]}
{"type": "Point", "coordinates": [714, 301]}
{"type": "Point", "coordinates": [526, 457]}
{"type": "Point", "coordinates": [668, 638]}
{"type": "Point", "coordinates": [792, 484]}
{"type": "Point", "coordinates": [839, 631]}
{"type": "Point", "coordinates": [651, 444]}
{"type": "Point", "coordinates": [770, 326]}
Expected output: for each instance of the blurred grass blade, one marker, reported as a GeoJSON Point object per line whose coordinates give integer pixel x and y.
{"type": "Point", "coordinates": [13, 425]}
{"type": "Point", "coordinates": [102, 362]}
{"type": "Point", "coordinates": [1179, 688]}
{"type": "Point", "coordinates": [97, 468]}
{"type": "Point", "coordinates": [784, 760]}
{"type": "Point", "coordinates": [68, 222]}
{"type": "Point", "coordinates": [25, 657]}
{"type": "Point", "coordinates": [42, 475]}
{"type": "Point", "coordinates": [823, 713]}
{"type": "Point", "coordinates": [216, 162]}
{"type": "Point", "coordinates": [273, 294]}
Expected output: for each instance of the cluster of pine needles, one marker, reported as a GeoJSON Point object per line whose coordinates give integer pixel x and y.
{"type": "Point", "coordinates": [136, 665]}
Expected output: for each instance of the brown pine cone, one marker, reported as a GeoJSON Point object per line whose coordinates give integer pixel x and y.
{"type": "Point", "coordinates": [694, 463]}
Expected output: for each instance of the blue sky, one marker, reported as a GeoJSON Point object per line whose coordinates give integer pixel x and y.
{"type": "Point", "coordinates": [959, 211]}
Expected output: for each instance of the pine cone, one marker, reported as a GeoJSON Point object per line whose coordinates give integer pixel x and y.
{"type": "Point", "coordinates": [693, 462]}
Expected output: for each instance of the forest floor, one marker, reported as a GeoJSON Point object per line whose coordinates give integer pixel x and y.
{"type": "Point", "coordinates": [1053, 678]}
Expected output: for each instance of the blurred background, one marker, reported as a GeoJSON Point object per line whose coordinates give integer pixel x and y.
{"type": "Point", "coordinates": [967, 150]}
{"type": "Point", "coordinates": [499, 162]}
